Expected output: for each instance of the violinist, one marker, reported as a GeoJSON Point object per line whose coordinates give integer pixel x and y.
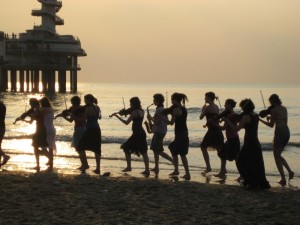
{"type": "Point", "coordinates": [91, 138]}
{"type": "Point", "coordinates": [39, 138]}
{"type": "Point", "coordinates": [136, 143]}
{"type": "Point", "coordinates": [159, 131]}
{"type": "Point", "coordinates": [231, 147]}
{"type": "Point", "coordinates": [214, 137]}
{"type": "Point", "coordinates": [76, 114]}
{"type": "Point", "coordinates": [279, 119]}
{"type": "Point", "coordinates": [180, 145]}
{"type": "Point", "coordinates": [250, 162]}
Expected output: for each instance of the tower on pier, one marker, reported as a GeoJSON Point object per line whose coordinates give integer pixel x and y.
{"type": "Point", "coordinates": [40, 55]}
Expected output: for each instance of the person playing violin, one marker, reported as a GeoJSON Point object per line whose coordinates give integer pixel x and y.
{"type": "Point", "coordinates": [231, 147]}
{"type": "Point", "coordinates": [214, 137]}
{"type": "Point", "coordinates": [250, 162]}
{"type": "Point", "coordinates": [180, 145]}
{"type": "Point", "coordinates": [5, 156]}
{"type": "Point", "coordinates": [76, 114]}
{"type": "Point", "coordinates": [279, 119]}
{"type": "Point", "coordinates": [137, 142]}
{"type": "Point", "coordinates": [91, 138]}
{"type": "Point", "coordinates": [159, 131]}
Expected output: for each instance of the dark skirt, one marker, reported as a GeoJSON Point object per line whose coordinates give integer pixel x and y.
{"type": "Point", "coordinates": [157, 143]}
{"type": "Point", "coordinates": [230, 149]}
{"type": "Point", "coordinates": [90, 140]}
{"type": "Point", "coordinates": [213, 138]}
{"type": "Point", "coordinates": [39, 139]}
{"type": "Point", "coordinates": [250, 164]}
{"type": "Point", "coordinates": [136, 143]}
{"type": "Point", "coordinates": [180, 145]}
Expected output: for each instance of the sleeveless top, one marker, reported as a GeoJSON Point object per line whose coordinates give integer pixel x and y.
{"type": "Point", "coordinates": [208, 117]}
{"type": "Point", "coordinates": [92, 121]}
{"type": "Point", "coordinates": [137, 124]}
{"type": "Point", "coordinates": [180, 122]}
{"type": "Point", "coordinates": [251, 129]}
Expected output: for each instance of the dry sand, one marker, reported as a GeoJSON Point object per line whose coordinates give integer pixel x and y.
{"type": "Point", "coordinates": [56, 198]}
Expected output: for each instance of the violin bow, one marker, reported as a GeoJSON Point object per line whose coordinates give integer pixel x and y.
{"type": "Point", "coordinates": [65, 102]}
{"type": "Point", "coordinates": [262, 97]}
{"type": "Point", "coordinates": [124, 104]}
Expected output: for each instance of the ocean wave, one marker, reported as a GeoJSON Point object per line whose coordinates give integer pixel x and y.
{"type": "Point", "coordinates": [194, 143]}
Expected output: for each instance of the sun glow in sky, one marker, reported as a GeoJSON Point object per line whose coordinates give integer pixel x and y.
{"type": "Point", "coordinates": [190, 41]}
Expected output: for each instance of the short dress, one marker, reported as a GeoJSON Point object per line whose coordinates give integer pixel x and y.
{"type": "Point", "coordinates": [79, 127]}
{"type": "Point", "coordinates": [91, 138]}
{"type": "Point", "coordinates": [231, 147]}
{"type": "Point", "coordinates": [180, 145]}
{"type": "Point", "coordinates": [50, 129]}
{"type": "Point", "coordinates": [214, 137]}
{"type": "Point", "coordinates": [136, 143]}
{"type": "Point", "coordinates": [39, 138]}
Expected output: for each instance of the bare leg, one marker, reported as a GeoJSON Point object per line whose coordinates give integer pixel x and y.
{"type": "Point", "coordinates": [51, 158]}
{"type": "Point", "coordinates": [175, 162]}
{"type": "Point", "coordinates": [98, 159]}
{"type": "Point", "coordinates": [37, 158]}
{"type": "Point", "coordinates": [185, 163]}
{"type": "Point", "coordinates": [223, 170]}
{"type": "Point", "coordinates": [166, 156]}
{"type": "Point", "coordinates": [156, 160]}
{"type": "Point", "coordinates": [128, 161]}
{"type": "Point", "coordinates": [206, 159]}
{"type": "Point", "coordinates": [84, 162]}
{"type": "Point", "coordinates": [277, 157]}
{"type": "Point", "coordinates": [146, 162]}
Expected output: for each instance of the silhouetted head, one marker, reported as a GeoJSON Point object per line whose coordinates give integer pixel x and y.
{"type": "Point", "coordinates": [33, 102]}
{"type": "Point", "coordinates": [230, 102]}
{"type": "Point", "coordinates": [90, 99]}
{"type": "Point", "coordinates": [247, 105]}
{"type": "Point", "coordinates": [75, 100]}
{"type": "Point", "coordinates": [135, 103]}
{"type": "Point", "coordinates": [45, 102]}
{"type": "Point", "coordinates": [159, 98]}
{"type": "Point", "coordinates": [275, 100]}
{"type": "Point", "coordinates": [179, 98]}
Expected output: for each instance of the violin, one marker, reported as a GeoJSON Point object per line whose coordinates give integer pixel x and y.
{"type": "Point", "coordinates": [64, 113]}
{"type": "Point", "coordinates": [123, 112]}
{"type": "Point", "coordinates": [265, 112]}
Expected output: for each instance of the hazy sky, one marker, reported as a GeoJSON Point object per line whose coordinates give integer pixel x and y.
{"type": "Point", "coordinates": [190, 41]}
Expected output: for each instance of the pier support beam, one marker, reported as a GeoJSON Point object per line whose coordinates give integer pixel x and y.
{"type": "Point", "coordinates": [62, 80]}
{"type": "Point", "coordinates": [21, 80]}
{"type": "Point", "coordinates": [3, 80]}
{"type": "Point", "coordinates": [51, 81]}
{"type": "Point", "coordinates": [36, 81]}
{"type": "Point", "coordinates": [13, 80]}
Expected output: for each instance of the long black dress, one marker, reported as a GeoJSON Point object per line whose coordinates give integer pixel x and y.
{"type": "Point", "coordinates": [250, 162]}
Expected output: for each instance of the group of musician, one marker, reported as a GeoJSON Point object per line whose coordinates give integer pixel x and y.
{"type": "Point", "coordinates": [87, 134]}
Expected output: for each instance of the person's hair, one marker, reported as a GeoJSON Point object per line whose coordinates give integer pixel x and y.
{"type": "Point", "coordinates": [160, 98]}
{"type": "Point", "coordinates": [274, 99]}
{"type": "Point", "coordinates": [247, 105]}
{"type": "Point", "coordinates": [211, 95]}
{"type": "Point", "coordinates": [75, 100]}
{"type": "Point", "coordinates": [91, 98]}
{"type": "Point", "coordinates": [231, 102]}
{"type": "Point", "coordinates": [135, 103]}
{"type": "Point", "coordinates": [34, 102]}
{"type": "Point", "coordinates": [45, 102]}
{"type": "Point", "coordinates": [179, 97]}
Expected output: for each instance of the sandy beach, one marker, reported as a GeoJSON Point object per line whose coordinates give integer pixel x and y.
{"type": "Point", "coordinates": [60, 198]}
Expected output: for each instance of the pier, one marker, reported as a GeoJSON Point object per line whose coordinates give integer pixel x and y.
{"type": "Point", "coordinates": [38, 59]}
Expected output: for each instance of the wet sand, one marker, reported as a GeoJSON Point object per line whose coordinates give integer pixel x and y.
{"type": "Point", "coordinates": [68, 197]}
